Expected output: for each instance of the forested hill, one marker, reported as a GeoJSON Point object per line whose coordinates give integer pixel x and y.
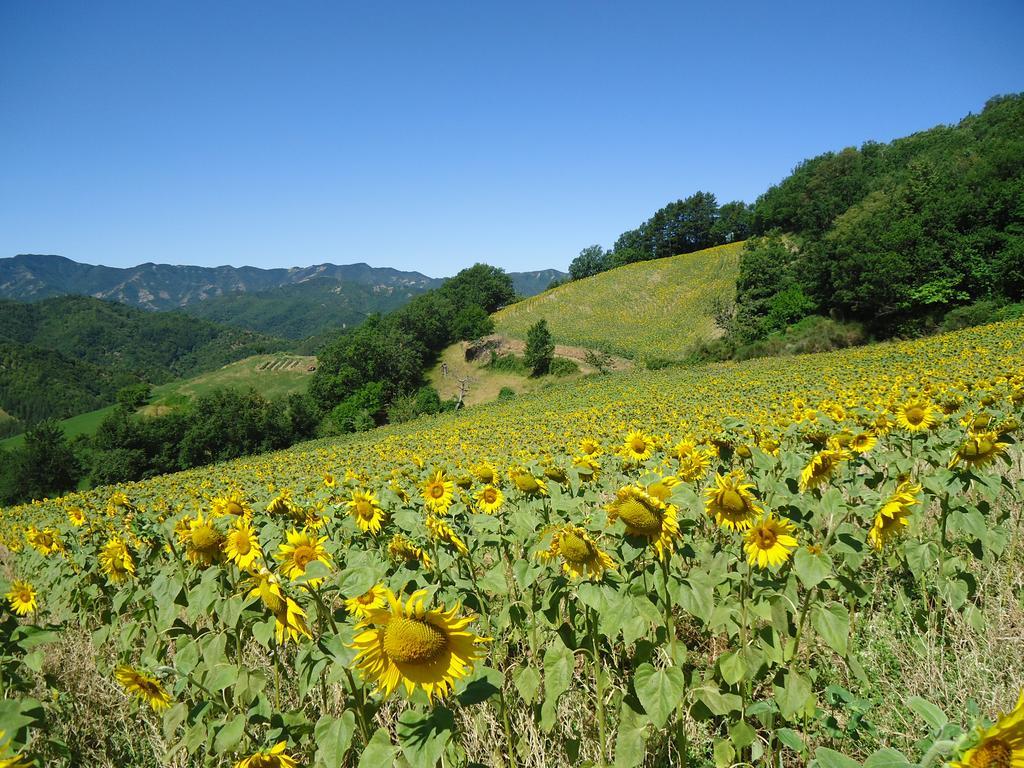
{"type": "Point", "coordinates": [895, 236]}
{"type": "Point", "coordinates": [63, 355]}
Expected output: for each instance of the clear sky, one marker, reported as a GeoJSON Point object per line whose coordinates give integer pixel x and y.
{"type": "Point", "coordinates": [432, 135]}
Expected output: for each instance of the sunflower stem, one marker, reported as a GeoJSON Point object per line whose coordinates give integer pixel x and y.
{"type": "Point", "coordinates": [598, 687]}
{"type": "Point", "coordinates": [359, 695]}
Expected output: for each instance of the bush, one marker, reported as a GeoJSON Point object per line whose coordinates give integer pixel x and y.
{"type": "Point", "coordinates": [507, 393]}
{"type": "Point", "coordinates": [980, 313]}
{"type": "Point", "coordinates": [540, 349]}
{"type": "Point", "coordinates": [508, 363]}
{"type": "Point", "coordinates": [812, 334]}
{"type": "Point", "coordinates": [561, 366]}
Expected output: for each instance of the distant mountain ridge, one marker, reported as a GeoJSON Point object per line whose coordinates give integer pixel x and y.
{"type": "Point", "coordinates": [30, 277]}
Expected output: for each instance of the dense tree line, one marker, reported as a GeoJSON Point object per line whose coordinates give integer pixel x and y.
{"type": "Point", "coordinates": [683, 226]}
{"type": "Point", "coordinates": [378, 367]}
{"type": "Point", "coordinates": [892, 236]}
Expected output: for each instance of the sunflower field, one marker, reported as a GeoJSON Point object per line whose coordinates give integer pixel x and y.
{"type": "Point", "coordinates": [811, 560]}
{"type": "Point", "coordinates": [650, 309]}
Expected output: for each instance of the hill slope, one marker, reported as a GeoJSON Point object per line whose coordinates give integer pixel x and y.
{"type": "Point", "coordinates": [66, 355]}
{"type": "Point", "coordinates": [646, 310]}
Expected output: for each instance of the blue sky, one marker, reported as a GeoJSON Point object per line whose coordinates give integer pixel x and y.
{"type": "Point", "coordinates": [429, 136]}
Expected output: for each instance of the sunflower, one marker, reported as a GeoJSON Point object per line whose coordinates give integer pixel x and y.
{"type": "Point", "coordinates": [769, 542]}
{"type": "Point", "coordinates": [638, 447]}
{"type": "Point", "coordinates": [300, 550]}
{"type": "Point", "coordinates": [489, 499]}
{"type": "Point", "coordinates": [730, 502]}
{"type": "Point", "coordinates": [1001, 745]}
{"type": "Point", "coordinates": [647, 516]}
{"type": "Point", "coordinates": [22, 597]}
{"type": "Point", "coordinates": [400, 548]}
{"type": "Point", "coordinates": [14, 761]}
{"type": "Point", "coordinates": [407, 644]}
{"type": "Point", "coordinates": [144, 687]}
{"type": "Point", "coordinates": [662, 489]}
{"type": "Point", "coordinates": [116, 561]}
{"type": "Point", "coordinates": [202, 542]}
{"type": "Point", "coordinates": [587, 467]}
{"type": "Point", "coordinates": [281, 504]}
{"type": "Point", "coordinates": [979, 450]}
{"type": "Point", "coordinates": [590, 447]}
{"type": "Point", "coordinates": [526, 482]}
{"type": "Point", "coordinates": [364, 507]}
{"type": "Point", "coordinates": [330, 481]}
{"type": "Point", "coordinates": [242, 545]}
{"type": "Point", "coordinates": [437, 492]}
{"type": "Point", "coordinates": [46, 541]}
{"type": "Point", "coordinates": [77, 516]}
{"type": "Point", "coordinates": [274, 757]}
{"type": "Point", "coordinates": [485, 472]}
{"type": "Point", "coordinates": [290, 618]}
{"type": "Point", "coordinates": [440, 531]}
{"type": "Point", "coordinates": [234, 504]}
{"type": "Point", "coordinates": [822, 467]}
{"type": "Point", "coordinates": [916, 415]}
{"type": "Point", "coordinates": [360, 607]}
{"type": "Point", "coordinates": [694, 462]}
{"type": "Point", "coordinates": [863, 442]}
{"type": "Point", "coordinates": [893, 514]}
{"type": "Point", "coordinates": [580, 556]}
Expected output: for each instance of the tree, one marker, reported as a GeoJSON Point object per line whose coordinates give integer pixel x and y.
{"type": "Point", "coordinates": [540, 349]}
{"type": "Point", "coordinates": [472, 322]}
{"type": "Point", "coordinates": [134, 397]}
{"type": "Point", "coordinates": [45, 465]}
{"type": "Point", "coordinates": [591, 261]}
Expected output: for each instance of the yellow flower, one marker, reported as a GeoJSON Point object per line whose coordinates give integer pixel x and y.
{"type": "Point", "coordinates": [275, 757]}
{"type": "Point", "coordinates": [400, 548]}
{"type": "Point", "coordinates": [587, 467]}
{"type": "Point", "coordinates": [979, 450]}
{"type": "Point", "coordinates": [77, 516]}
{"type": "Point", "coordinates": [234, 504]}
{"type": "Point", "coordinates": [730, 502]}
{"type": "Point", "coordinates": [770, 542]}
{"type": "Point", "coordinates": [46, 542]}
{"type": "Point", "coordinates": [638, 447]}
{"type": "Point", "coordinates": [300, 550]}
{"type": "Point", "coordinates": [647, 516]}
{"type": "Point", "coordinates": [364, 507]}
{"type": "Point", "coordinates": [14, 761]}
{"type": "Point", "coordinates": [437, 492]}
{"type": "Point", "coordinates": [22, 597]}
{"type": "Point", "coordinates": [144, 687]}
{"type": "Point", "coordinates": [1000, 746]}
{"type": "Point", "coordinates": [290, 618]}
{"type": "Point", "coordinates": [374, 597]}
{"type": "Point", "coordinates": [863, 442]}
{"type": "Point", "coordinates": [893, 514]}
{"type": "Point", "coordinates": [916, 415]}
{"type": "Point", "coordinates": [407, 644]}
{"type": "Point", "coordinates": [202, 542]}
{"type": "Point", "coordinates": [822, 466]}
{"type": "Point", "coordinates": [330, 481]}
{"type": "Point", "coordinates": [590, 447]}
{"type": "Point", "coordinates": [580, 556]}
{"type": "Point", "coordinates": [489, 499]}
{"type": "Point", "coordinates": [485, 472]}
{"type": "Point", "coordinates": [441, 531]}
{"type": "Point", "coordinates": [242, 546]}
{"type": "Point", "coordinates": [525, 481]}
{"type": "Point", "coordinates": [116, 561]}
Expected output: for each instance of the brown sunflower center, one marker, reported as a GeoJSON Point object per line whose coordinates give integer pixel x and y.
{"type": "Point", "coordinates": [490, 495]}
{"type": "Point", "coordinates": [436, 490]}
{"type": "Point", "coordinates": [574, 548]}
{"type": "Point", "coordinates": [914, 414]}
{"type": "Point", "coordinates": [976, 448]}
{"type": "Point", "coordinates": [233, 508]}
{"type": "Point", "coordinates": [412, 641]}
{"type": "Point", "coordinates": [242, 544]}
{"type": "Point", "coordinates": [765, 538]}
{"type": "Point", "coordinates": [640, 516]}
{"type": "Point", "coordinates": [527, 483]}
{"type": "Point", "coordinates": [638, 445]}
{"type": "Point", "coordinates": [732, 501]}
{"type": "Point", "coordinates": [994, 753]}
{"type": "Point", "coordinates": [303, 556]}
{"type": "Point", "coordinates": [364, 509]}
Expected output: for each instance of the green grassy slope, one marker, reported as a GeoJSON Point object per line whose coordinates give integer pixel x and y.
{"type": "Point", "coordinates": [647, 310]}
{"type": "Point", "coordinates": [273, 376]}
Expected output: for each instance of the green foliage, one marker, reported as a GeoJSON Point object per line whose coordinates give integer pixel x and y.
{"type": "Point", "coordinates": [508, 363]}
{"type": "Point", "coordinates": [980, 313]}
{"type": "Point", "coordinates": [562, 366]}
{"type": "Point", "coordinates": [540, 349]}
{"type": "Point", "coordinates": [591, 261]}
{"type": "Point", "coordinates": [472, 322]}
{"type": "Point", "coordinates": [134, 396]}
{"type": "Point", "coordinates": [506, 393]}
{"type": "Point", "coordinates": [44, 466]}
{"type": "Point", "coordinates": [893, 235]}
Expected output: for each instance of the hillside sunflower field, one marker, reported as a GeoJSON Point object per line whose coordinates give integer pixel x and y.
{"type": "Point", "coordinates": [812, 560]}
{"type": "Point", "coordinates": [651, 309]}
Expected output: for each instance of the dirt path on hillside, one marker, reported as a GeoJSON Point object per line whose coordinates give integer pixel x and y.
{"type": "Point", "coordinates": [578, 354]}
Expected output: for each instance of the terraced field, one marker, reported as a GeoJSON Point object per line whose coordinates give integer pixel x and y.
{"type": "Point", "coordinates": [651, 309]}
